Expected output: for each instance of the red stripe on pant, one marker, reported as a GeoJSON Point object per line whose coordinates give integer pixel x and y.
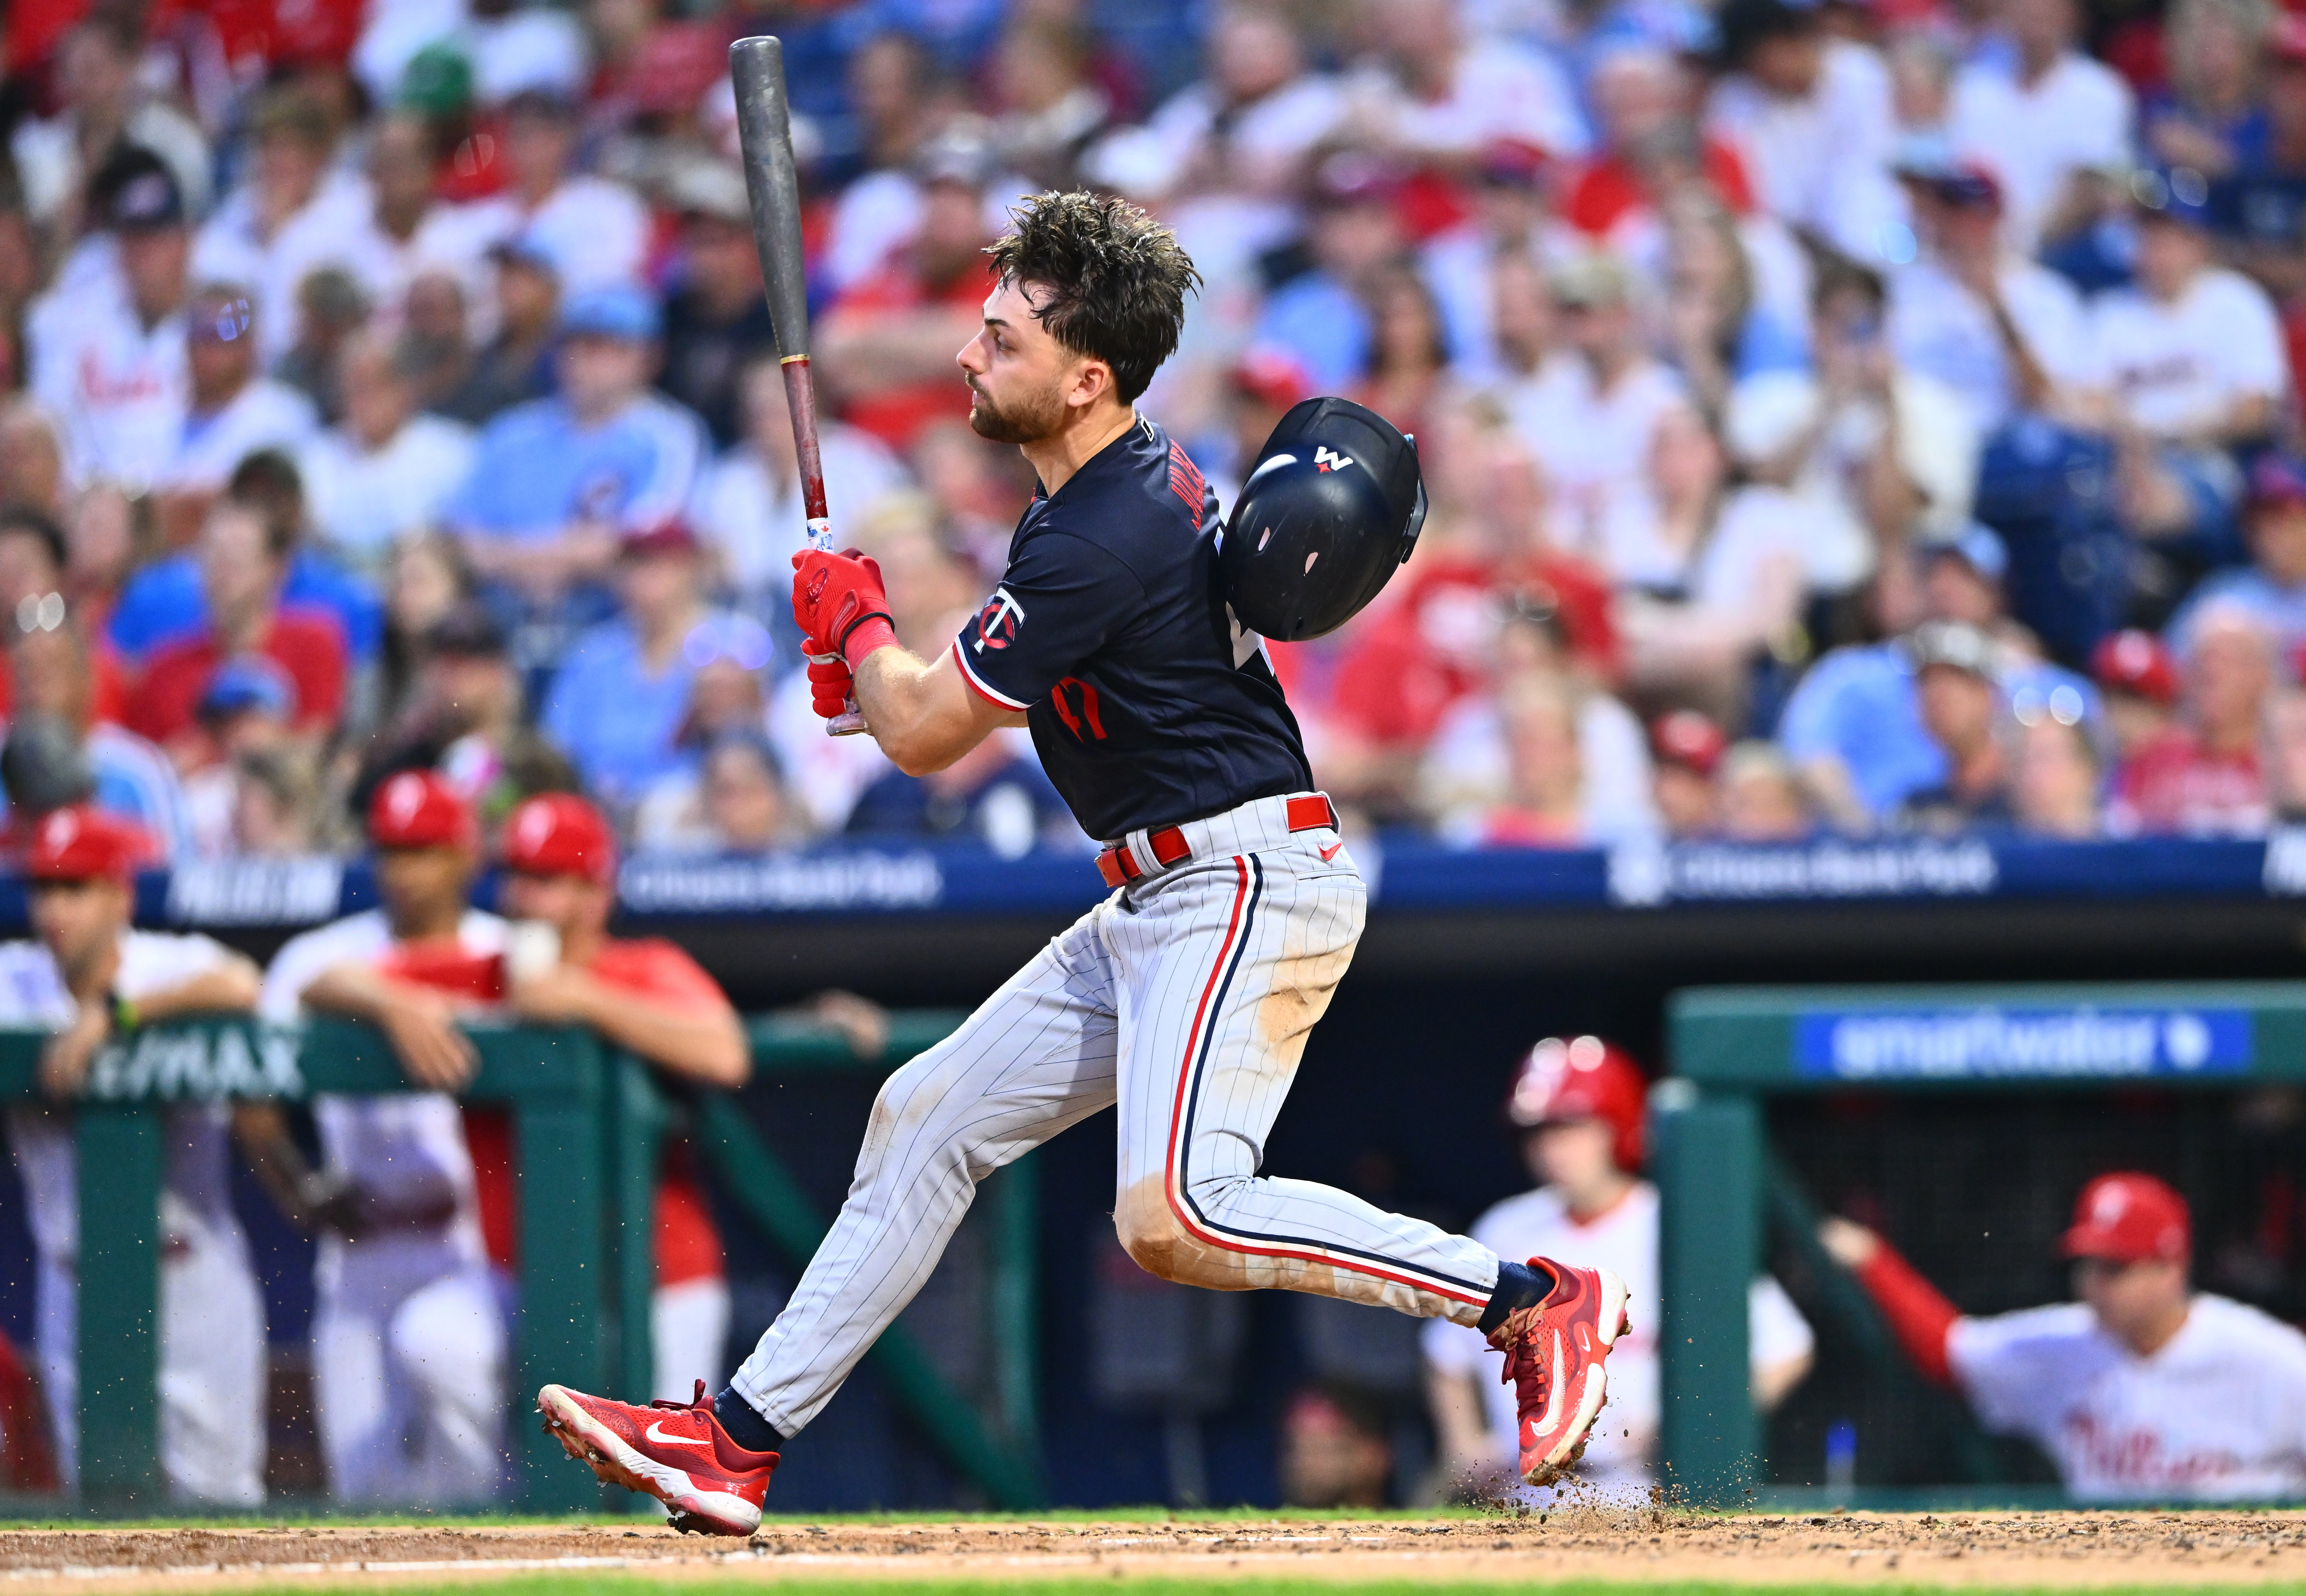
{"type": "Point", "coordinates": [1172, 1185]}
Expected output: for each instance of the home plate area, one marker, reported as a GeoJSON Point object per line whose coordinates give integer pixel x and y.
{"type": "Point", "coordinates": [1974, 1550]}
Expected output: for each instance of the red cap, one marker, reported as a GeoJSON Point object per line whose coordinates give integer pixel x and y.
{"type": "Point", "coordinates": [675, 64]}
{"type": "Point", "coordinates": [2287, 42]}
{"type": "Point", "coordinates": [2138, 663]}
{"type": "Point", "coordinates": [80, 844]}
{"type": "Point", "coordinates": [2128, 1217]}
{"type": "Point", "coordinates": [1687, 739]}
{"type": "Point", "coordinates": [420, 809]}
{"type": "Point", "coordinates": [559, 834]}
{"type": "Point", "coordinates": [1270, 376]}
{"type": "Point", "coordinates": [666, 537]}
{"type": "Point", "coordinates": [1584, 1078]}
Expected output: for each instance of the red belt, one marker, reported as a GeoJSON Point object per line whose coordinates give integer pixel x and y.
{"type": "Point", "coordinates": [1119, 866]}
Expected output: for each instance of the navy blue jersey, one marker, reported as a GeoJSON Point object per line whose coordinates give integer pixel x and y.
{"type": "Point", "coordinates": [1109, 631]}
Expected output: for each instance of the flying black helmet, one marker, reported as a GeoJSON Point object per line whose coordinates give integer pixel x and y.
{"type": "Point", "coordinates": [1333, 504]}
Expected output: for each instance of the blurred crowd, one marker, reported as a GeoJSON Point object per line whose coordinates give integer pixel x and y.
{"type": "Point", "coordinates": [1837, 414]}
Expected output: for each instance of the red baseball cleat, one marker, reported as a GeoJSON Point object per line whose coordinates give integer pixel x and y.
{"type": "Point", "coordinates": [680, 1456]}
{"type": "Point", "coordinates": [1554, 1356]}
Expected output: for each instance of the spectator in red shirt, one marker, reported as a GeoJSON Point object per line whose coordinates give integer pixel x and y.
{"type": "Point", "coordinates": [1643, 99]}
{"type": "Point", "coordinates": [244, 557]}
{"type": "Point", "coordinates": [890, 340]}
{"type": "Point", "coordinates": [2137, 679]}
{"type": "Point", "coordinates": [1686, 750]}
{"type": "Point", "coordinates": [1412, 660]}
{"type": "Point", "coordinates": [2202, 777]}
{"type": "Point", "coordinates": [651, 998]}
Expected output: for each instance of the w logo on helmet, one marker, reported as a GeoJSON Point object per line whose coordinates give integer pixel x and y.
{"type": "Point", "coordinates": [1328, 459]}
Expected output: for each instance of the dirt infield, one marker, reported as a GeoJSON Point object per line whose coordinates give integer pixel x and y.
{"type": "Point", "coordinates": [2071, 1549]}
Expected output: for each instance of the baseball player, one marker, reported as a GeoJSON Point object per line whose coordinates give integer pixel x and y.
{"type": "Point", "coordinates": [94, 980]}
{"type": "Point", "coordinates": [2145, 1390]}
{"type": "Point", "coordinates": [408, 1330]}
{"type": "Point", "coordinates": [1579, 1104]}
{"type": "Point", "coordinates": [1184, 998]}
{"type": "Point", "coordinates": [646, 995]}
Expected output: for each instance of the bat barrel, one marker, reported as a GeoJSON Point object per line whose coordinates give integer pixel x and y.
{"type": "Point", "coordinates": [757, 68]}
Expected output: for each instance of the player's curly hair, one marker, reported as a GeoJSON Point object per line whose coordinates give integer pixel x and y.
{"type": "Point", "coordinates": [1113, 280]}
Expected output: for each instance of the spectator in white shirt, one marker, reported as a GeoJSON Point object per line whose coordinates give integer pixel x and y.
{"type": "Point", "coordinates": [1511, 216]}
{"type": "Point", "coordinates": [893, 83]}
{"type": "Point", "coordinates": [2193, 354]}
{"type": "Point", "coordinates": [2007, 334]}
{"type": "Point", "coordinates": [2195, 365]}
{"type": "Point", "coordinates": [405, 231]}
{"type": "Point", "coordinates": [749, 503]}
{"type": "Point", "coordinates": [231, 411]}
{"type": "Point", "coordinates": [1226, 160]}
{"type": "Point", "coordinates": [595, 232]}
{"type": "Point", "coordinates": [295, 212]}
{"type": "Point", "coordinates": [2051, 113]}
{"type": "Point", "coordinates": [1877, 454]}
{"type": "Point", "coordinates": [386, 469]}
{"type": "Point", "coordinates": [107, 358]}
{"type": "Point", "coordinates": [1240, 134]}
{"type": "Point", "coordinates": [1437, 95]}
{"type": "Point", "coordinates": [1809, 113]}
{"type": "Point", "coordinates": [104, 109]}
{"type": "Point", "coordinates": [1710, 575]}
{"type": "Point", "coordinates": [1593, 438]}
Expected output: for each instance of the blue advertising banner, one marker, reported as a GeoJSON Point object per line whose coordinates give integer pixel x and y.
{"type": "Point", "coordinates": [1406, 873]}
{"type": "Point", "coordinates": [2014, 1042]}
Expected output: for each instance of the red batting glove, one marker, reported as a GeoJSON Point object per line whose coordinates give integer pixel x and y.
{"type": "Point", "coordinates": [831, 684]}
{"type": "Point", "coordinates": [841, 599]}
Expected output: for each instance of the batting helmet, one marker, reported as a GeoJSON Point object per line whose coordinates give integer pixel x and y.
{"type": "Point", "coordinates": [1333, 504]}
{"type": "Point", "coordinates": [1584, 1078]}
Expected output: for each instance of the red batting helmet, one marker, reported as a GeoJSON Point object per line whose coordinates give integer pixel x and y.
{"type": "Point", "coordinates": [80, 843]}
{"type": "Point", "coordinates": [559, 834]}
{"type": "Point", "coordinates": [2126, 1217]}
{"type": "Point", "coordinates": [420, 809]}
{"type": "Point", "coordinates": [1584, 1078]}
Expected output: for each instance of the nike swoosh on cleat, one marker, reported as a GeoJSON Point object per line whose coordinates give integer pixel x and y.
{"type": "Point", "coordinates": [656, 1433]}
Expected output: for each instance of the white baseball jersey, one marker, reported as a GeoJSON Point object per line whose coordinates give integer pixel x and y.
{"type": "Point", "coordinates": [2179, 366]}
{"type": "Point", "coordinates": [212, 1351]}
{"type": "Point", "coordinates": [117, 388]}
{"type": "Point", "coordinates": [2216, 1415]}
{"type": "Point", "coordinates": [384, 1144]}
{"type": "Point", "coordinates": [1185, 1000]}
{"type": "Point", "coordinates": [1538, 1225]}
{"type": "Point", "coordinates": [264, 415]}
{"type": "Point", "coordinates": [408, 1332]}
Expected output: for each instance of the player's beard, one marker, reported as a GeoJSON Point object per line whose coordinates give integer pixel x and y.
{"type": "Point", "coordinates": [1028, 420]}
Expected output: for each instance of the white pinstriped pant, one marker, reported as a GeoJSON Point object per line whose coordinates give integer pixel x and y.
{"type": "Point", "coordinates": [1185, 998]}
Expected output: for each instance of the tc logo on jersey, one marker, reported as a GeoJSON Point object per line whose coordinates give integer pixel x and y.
{"type": "Point", "coordinates": [996, 623]}
{"type": "Point", "coordinates": [1326, 458]}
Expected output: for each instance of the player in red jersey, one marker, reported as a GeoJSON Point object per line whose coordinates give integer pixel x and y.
{"type": "Point", "coordinates": [647, 996]}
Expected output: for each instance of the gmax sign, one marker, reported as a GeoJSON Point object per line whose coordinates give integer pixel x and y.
{"type": "Point", "coordinates": [202, 1066]}
{"type": "Point", "coordinates": [2000, 1042]}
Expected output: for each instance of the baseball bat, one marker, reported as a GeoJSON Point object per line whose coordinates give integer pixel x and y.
{"type": "Point", "coordinates": [756, 66]}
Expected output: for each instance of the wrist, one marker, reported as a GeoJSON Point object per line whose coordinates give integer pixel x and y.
{"type": "Point", "coordinates": [871, 631]}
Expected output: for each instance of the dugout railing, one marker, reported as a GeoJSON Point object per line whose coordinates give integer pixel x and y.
{"type": "Point", "coordinates": [589, 1123]}
{"type": "Point", "coordinates": [1733, 1049]}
